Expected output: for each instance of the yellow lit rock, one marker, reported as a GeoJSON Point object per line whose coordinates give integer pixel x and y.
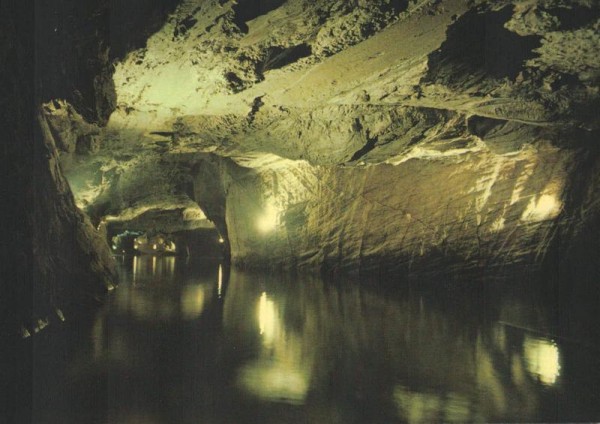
{"type": "Point", "coordinates": [268, 221]}
{"type": "Point", "coordinates": [547, 206]}
{"type": "Point", "coordinates": [543, 359]}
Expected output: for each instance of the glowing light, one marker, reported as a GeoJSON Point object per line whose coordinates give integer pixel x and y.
{"type": "Point", "coordinates": [153, 265]}
{"type": "Point", "coordinates": [60, 315]}
{"type": "Point", "coordinates": [154, 246]}
{"type": "Point", "coordinates": [220, 282]}
{"type": "Point", "coordinates": [266, 318]}
{"type": "Point", "coordinates": [542, 358]}
{"type": "Point", "coordinates": [135, 270]}
{"type": "Point", "coordinates": [170, 262]}
{"type": "Point", "coordinates": [192, 302]}
{"type": "Point", "coordinates": [221, 240]}
{"type": "Point", "coordinates": [268, 221]}
{"type": "Point", "coordinates": [25, 332]}
{"type": "Point", "coordinates": [546, 207]}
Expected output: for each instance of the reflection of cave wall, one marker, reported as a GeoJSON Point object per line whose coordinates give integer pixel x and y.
{"type": "Point", "coordinates": [380, 336]}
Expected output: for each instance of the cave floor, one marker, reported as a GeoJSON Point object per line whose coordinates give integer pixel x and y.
{"type": "Point", "coordinates": [185, 341]}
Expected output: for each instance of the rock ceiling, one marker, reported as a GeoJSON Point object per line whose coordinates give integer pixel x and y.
{"type": "Point", "coordinates": [370, 133]}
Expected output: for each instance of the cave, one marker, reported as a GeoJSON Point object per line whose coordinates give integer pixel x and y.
{"type": "Point", "coordinates": [292, 211]}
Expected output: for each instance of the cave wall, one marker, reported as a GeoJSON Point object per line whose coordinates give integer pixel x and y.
{"type": "Point", "coordinates": [53, 259]}
{"type": "Point", "coordinates": [444, 214]}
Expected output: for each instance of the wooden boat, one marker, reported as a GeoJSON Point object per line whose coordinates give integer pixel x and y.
{"type": "Point", "coordinates": [154, 245]}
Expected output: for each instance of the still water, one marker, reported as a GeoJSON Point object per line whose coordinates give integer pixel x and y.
{"type": "Point", "coordinates": [193, 342]}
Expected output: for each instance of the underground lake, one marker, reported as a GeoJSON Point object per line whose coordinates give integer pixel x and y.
{"type": "Point", "coordinates": [192, 341]}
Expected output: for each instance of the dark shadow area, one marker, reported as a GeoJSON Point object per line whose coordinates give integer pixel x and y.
{"type": "Point", "coordinates": [76, 42]}
{"type": "Point", "coordinates": [235, 83]}
{"type": "Point", "coordinates": [574, 17]}
{"type": "Point", "coordinates": [184, 26]}
{"type": "Point", "coordinates": [572, 265]}
{"type": "Point", "coordinates": [277, 57]}
{"type": "Point", "coordinates": [369, 145]}
{"type": "Point", "coordinates": [478, 46]}
{"type": "Point", "coordinates": [132, 22]}
{"type": "Point", "coordinates": [502, 136]}
{"type": "Point", "coordinates": [246, 10]}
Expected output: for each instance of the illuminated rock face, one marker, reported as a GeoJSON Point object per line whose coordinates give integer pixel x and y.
{"type": "Point", "coordinates": [368, 137]}
{"type": "Point", "coordinates": [466, 211]}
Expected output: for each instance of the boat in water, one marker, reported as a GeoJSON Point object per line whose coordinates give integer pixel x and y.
{"type": "Point", "coordinates": [159, 244]}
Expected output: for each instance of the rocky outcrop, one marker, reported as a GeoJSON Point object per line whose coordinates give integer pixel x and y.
{"type": "Point", "coordinates": [71, 261]}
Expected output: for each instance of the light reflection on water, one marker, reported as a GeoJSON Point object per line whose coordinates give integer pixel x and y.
{"type": "Point", "coordinates": [184, 344]}
{"type": "Point", "coordinates": [279, 372]}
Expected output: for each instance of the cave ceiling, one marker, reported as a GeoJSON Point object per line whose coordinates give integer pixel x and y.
{"type": "Point", "coordinates": [294, 92]}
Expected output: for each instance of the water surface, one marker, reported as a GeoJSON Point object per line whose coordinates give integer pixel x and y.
{"type": "Point", "coordinates": [185, 341]}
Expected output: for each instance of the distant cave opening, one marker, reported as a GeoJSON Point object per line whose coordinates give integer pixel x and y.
{"type": "Point", "coordinates": [160, 233]}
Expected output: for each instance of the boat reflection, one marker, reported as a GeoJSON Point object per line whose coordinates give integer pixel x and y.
{"type": "Point", "coordinates": [148, 268]}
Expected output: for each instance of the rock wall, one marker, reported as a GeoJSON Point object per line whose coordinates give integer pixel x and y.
{"type": "Point", "coordinates": [438, 213]}
{"type": "Point", "coordinates": [441, 137]}
{"type": "Point", "coordinates": [52, 257]}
